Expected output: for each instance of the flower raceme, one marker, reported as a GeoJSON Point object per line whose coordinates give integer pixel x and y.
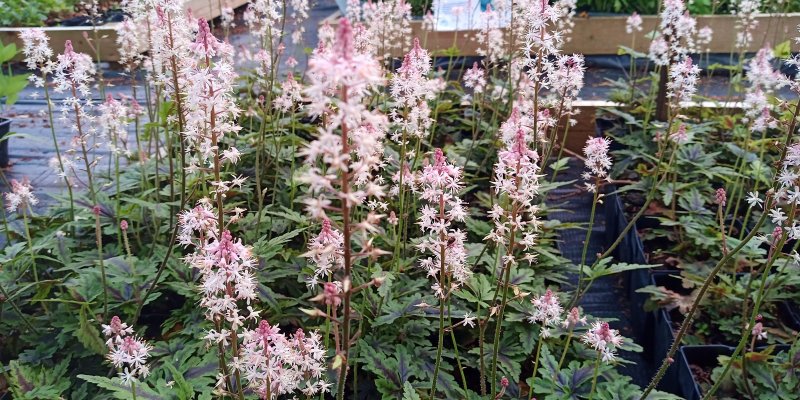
{"type": "Point", "coordinates": [633, 23]}
{"type": "Point", "coordinates": [127, 352]}
{"type": "Point", "coordinates": [274, 364]}
{"type": "Point", "coordinates": [439, 186]}
{"type": "Point", "coordinates": [326, 252]}
{"type": "Point", "coordinates": [603, 339]}
{"type": "Point", "coordinates": [547, 310]}
{"type": "Point", "coordinates": [682, 84]}
{"type": "Point", "coordinates": [676, 34]}
{"type": "Point", "coordinates": [516, 175]}
{"type": "Point", "coordinates": [37, 51]}
{"type": "Point", "coordinates": [21, 196]}
{"type": "Point", "coordinates": [598, 163]}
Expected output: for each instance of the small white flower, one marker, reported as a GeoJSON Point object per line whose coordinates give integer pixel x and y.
{"type": "Point", "coordinates": [753, 199]}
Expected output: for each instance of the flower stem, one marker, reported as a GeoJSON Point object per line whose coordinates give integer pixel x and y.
{"type": "Point", "coordinates": [30, 246]}
{"type": "Point", "coordinates": [566, 348]}
{"type": "Point", "coordinates": [99, 240]}
{"type": "Point", "coordinates": [594, 377]}
{"type": "Point", "coordinates": [536, 362]}
{"type": "Point", "coordinates": [348, 262]}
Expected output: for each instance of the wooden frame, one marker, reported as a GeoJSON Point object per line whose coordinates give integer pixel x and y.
{"type": "Point", "coordinates": [83, 36]}
{"type": "Point", "coordinates": [604, 34]}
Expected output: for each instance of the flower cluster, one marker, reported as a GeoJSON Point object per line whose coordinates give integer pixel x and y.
{"type": "Point", "coordinates": [21, 196]}
{"type": "Point", "coordinates": [226, 269]}
{"type": "Point", "coordinates": [676, 34]}
{"type": "Point", "coordinates": [565, 78]}
{"type": "Point", "coordinates": [114, 121]}
{"type": "Point", "coordinates": [475, 78]}
{"type": "Point", "coordinates": [682, 84]}
{"type": "Point", "coordinates": [130, 43]}
{"type": "Point", "coordinates": [746, 11]}
{"type": "Point", "coordinates": [385, 25]}
{"type": "Point", "coordinates": [603, 339]}
{"type": "Point", "coordinates": [633, 23]}
{"type": "Point", "coordinates": [411, 88]}
{"type": "Point", "coordinates": [547, 310]}
{"type": "Point", "coordinates": [38, 54]}
{"type": "Point", "coordinates": [344, 160]}
{"type": "Point", "coordinates": [704, 37]}
{"type": "Point", "coordinates": [127, 352]}
{"type": "Point", "coordinates": [516, 176]}
{"type": "Point", "coordinates": [490, 38]}
{"type": "Point", "coordinates": [326, 252]}
{"type": "Point", "coordinates": [274, 365]}
{"type": "Point", "coordinates": [439, 185]}
{"type": "Point", "coordinates": [764, 81]}
{"type": "Point", "coordinates": [212, 112]}
{"type": "Point", "coordinates": [291, 94]}
{"type": "Point", "coordinates": [573, 319]}
{"type": "Point", "coordinates": [598, 163]}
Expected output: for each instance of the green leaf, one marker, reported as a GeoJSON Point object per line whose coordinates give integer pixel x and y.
{"type": "Point", "coordinates": [409, 393]}
{"type": "Point", "coordinates": [783, 50]}
{"type": "Point", "coordinates": [602, 269]}
{"type": "Point", "coordinates": [7, 52]}
{"type": "Point", "coordinates": [120, 390]}
{"type": "Point", "coordinates": [11, 85]}
{"type": "Point", "coordinates": [182, 388]}
{"type": "Point", "coordinates": [88, 334]}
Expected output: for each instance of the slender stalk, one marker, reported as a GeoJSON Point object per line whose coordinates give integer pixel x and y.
{"type": "Point", "coordinates": [747, 329]}
{"type": "Point", "coordinates": [455, 348]}
{"type": "Point", "coordinates": [345, 183]}
{"type": "Point", "coordinates": [99, 241]}
{"type": "Point", "coordinates": [588, 235]}
{"type": "Point", "coordinates": [442, 277]}
{"type": "Point", "coordinates": [535, 363]}
{"type": "Point", "coordinates": [594, 376]}
{"type": "Point", "coordinates": [566, 347]}
{"type": "Point", "coordinates": [30, 246]}
{"type": "Point", "coordinates": [51, 121]}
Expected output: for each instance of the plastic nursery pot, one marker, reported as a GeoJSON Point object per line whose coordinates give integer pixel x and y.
{"type": "Point", "coordinates": [663, 335]}
{"type": "Point", "coordinates": [790, 313]}
{"type": "Point", "coordinates": [695, 359]}
{"type": "Point", "coordinates": [630, 250]}
{"type": "Point", "coordinates": [5, 127]}
{"type": "Point", "coordinates": [703, 359]}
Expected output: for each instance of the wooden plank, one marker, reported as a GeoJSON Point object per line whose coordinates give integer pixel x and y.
{"type": "Point", "coordinates": [79, 35]}
{"type": "Point", "coordinates": [107, 33]}
{"type": "Point", "coordinates": [210, 9]}
{"type": "Point", "coordinates": [604, 35]}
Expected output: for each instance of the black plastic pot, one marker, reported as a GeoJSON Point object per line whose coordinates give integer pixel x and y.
{"type": "Point", "coordinates": [700, 356]}
{"type": "Point", "coordinates": [663, 336]}
{"type": "Point", "coordinates": [704, 357]}
{"type": "Point", "coordinates": [5, 127]}
{"type": "Point", "coordinates": [790, 311]}
{"type": "Point", "coordinates": [630, 249]}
